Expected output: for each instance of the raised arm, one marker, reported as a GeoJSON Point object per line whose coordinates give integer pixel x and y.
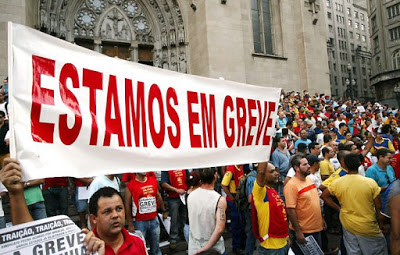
{"type": "Point", "coordinates": [10, 176]}
{"type": "Point", "coordinates": [219, 226]}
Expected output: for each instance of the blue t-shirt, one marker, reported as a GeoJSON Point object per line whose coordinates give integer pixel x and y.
{"type": "Point", "coordinates": [307, 142]}
{"type": "Point", "coordinates": [281, 160]}
{"type": "Point", "coordinates": [382, 178]}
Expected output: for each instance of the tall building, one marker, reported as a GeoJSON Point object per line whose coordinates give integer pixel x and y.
{"type": "Point", "coordinates": [348, 47]}
{"type": "Point", "coordinates": [261, 42]}
{"type": "Point", "coordinates": [384, 17]}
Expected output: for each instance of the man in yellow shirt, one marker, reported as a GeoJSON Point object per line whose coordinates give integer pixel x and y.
{"type": "Point", "coordinates": [325, 166]}
{"type": "Point", "coordinates": [361, 233]}
{"type": "Point", "coordinates": [269, 212]}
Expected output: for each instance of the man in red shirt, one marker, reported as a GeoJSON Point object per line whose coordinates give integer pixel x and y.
{"type": "Point", "coordinates": [107, 211]}
{"type": "Point", "coordinates": [141, 199]}
{"type": "Point", "coordinates": [174, 184]}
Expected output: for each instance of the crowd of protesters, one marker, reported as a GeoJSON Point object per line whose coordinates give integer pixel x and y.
{"type": "Point", "coordinates": [333, 170]}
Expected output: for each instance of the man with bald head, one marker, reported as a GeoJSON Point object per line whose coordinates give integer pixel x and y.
{"type": "Point", "coordinates": [268, 212]}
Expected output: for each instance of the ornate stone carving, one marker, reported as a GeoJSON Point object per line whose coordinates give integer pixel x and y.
{"type": "Point", "coordinates": [172, 37]}
{"type": "Point", "coordinates": [181, 34]}
{"type": "Point", "coordinates": [63, 30]}
{"type": "Point", "coordinates": [182, 62]}
{"type": "Point", "coordinates": [164, 41]}
{"type": "Point", "coordinates": [130, 8]}
{"type": "Point", "coordinates": [96, 5]}
{"type": "Point", "coordinates": [43, 14]}
{"type": "Point", "coordinates": [116, 2]}
{"type": "Point", "coordinates": [53, 23]}
{"type": "Point", "coordinates": [86, 18]}
{"type": "Point", "coordinates": [174, 64]}
{"type": "Point", "coordinates": [115, 27]}
{"type": "Point", "coordinates": [165, 62]}
{"type": "Point", "coordinates": [141, 25]}
{"type": "Point", "coordinates": [157, 61]}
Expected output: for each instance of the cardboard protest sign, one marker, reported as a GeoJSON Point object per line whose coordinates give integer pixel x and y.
{"type": "Point", "coordinates": [75, 112]}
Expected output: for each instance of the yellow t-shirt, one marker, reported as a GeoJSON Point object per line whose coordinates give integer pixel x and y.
{"type": "Point", "coordinates": [262, 207]}
{"type": "Point", "coordinates": [336, 175]}
{"type": "Point", "coordinates": [326, 167]}
{"type": "Point", "coordinates": [356, 196]}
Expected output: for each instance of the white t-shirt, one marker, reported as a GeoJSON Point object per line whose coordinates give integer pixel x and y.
{"type": "Point", "coordinates": [337, 123]}
{"type": "Point", "coordinates": [103, 181]}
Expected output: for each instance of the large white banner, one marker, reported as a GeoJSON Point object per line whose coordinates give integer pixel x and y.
{"type": "Point", "coordinates": [75, 112]}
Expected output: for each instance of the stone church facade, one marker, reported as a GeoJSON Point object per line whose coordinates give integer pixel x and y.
{"type": "Point", "coordinates": [280, 43]}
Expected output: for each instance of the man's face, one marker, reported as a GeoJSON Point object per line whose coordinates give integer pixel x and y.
{"type": "Point", "coordinates": [316, 151]}
{"type": "Point", "coordinates": [348, 136]}
{"type": "Point", "coordinates": [331, 153]}
{"type": "Point", "coordinates": [387, 159]}
{"type": "Point", "coordinates": [303, 134]}
{"type": "Point", "coordinates": [282, 143]}
{"type": "Point", "coordinates": [304, 168]}
{"type": "Point", "coordinates": [271, 175]}
{"type": "Point", "coordinates": [110, 217]}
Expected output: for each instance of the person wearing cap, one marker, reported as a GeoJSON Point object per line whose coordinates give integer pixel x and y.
{"type": "Point", "coordinates": [381, 143]}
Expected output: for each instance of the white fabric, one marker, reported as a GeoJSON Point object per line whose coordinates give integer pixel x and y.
{"type": "Point", "coordinates": [202, 205]}
{"type": "Point", "coordinates": [2, 189]}
{"type": "Point", "coordinates": [102, 181]}
{"type": "Point", "coordinates": [185, 121]}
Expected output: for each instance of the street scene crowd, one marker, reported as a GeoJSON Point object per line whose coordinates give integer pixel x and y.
{"type": "Point", "coordinates": [333, 170]}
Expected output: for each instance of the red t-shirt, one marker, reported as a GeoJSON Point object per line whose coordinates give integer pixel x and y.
{"type": "Point", "coordinates": [79, 183]}
{"type": "Point", "coordinates": [144, 195]}
{"type": "Point", "coordinates": [57, 181]}
{"type": "Point", "coordinates": [132, 245]}
{"type": "Point", "coordinates": [177, 180]}
{"type": "Point", "coordinates": [127, 177]}
{"type": "Point", "coordinates": [396, 165]}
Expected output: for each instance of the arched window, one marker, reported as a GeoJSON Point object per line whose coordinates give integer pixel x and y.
{"type": "Point", "coordinates": [396, 60]}
{"type": "Point", "coordinates": [267, 34]}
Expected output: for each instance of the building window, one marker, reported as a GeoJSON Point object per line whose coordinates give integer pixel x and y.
{"type": "Point", "coordinates": [374, 24]}
{"type": "Point", "coordinates": [330, 28]}
{"type": "Point", "coordinates": [362, 27]}
{"type": "Point", "coordinates": [262, 27]}
{"type": "Point", "coordinates": [356, 14]}
{"type": "Point", "coordinates": [362, 16]}
{"type": "Point", "coordinates": [351, 35]}
{"type": "Point", "coordinates": [394, 33]}
{"type": "Point", "coordinates": [393, 11]}
{"type": "Point", "coordinates": [376, 44]}
{"type": "Point", "coordinates": [350, 23]}
{"type": "Point", "coordinates": [348, 11]}
{"type": "Point", "coordinates": [363, 38]}
{"type": "Point", "coordinates": [358, 37]}
{"type": "Point", "coordinates": [396, 60]}
{"type": "Point", "coordinates": [328, 3]}
{"type": "Point", "coordinates": [356, 25]}
{"type": "Point", "coordinates": [329, 15]}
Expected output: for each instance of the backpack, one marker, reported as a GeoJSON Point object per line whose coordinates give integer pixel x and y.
{"type": "Point", "coordinates": [241, 201]}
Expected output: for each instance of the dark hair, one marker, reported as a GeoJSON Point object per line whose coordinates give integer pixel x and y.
{"type": "Point", "coordinates": [386, 129]}
{"type": "Point", "coordinates": [325, 150]}
{"type": "Point", "coordinates": [103, 192]}
{"type": "Point", "coordinates": [352, 162]}
{"type": "Point", "coordinates": [295, 161]}
{"type": "Point", "coordinates": [340, 146]}
{"type": "Point", "coordinates": [327, 138]}
{"type": "Point", "coordinates": [193, 179]}
{"type": "Point", "coordinates": [341, 154]}
{"type": "Point", "coordinates": [382, 153]}
{"type": "Point", "coordinates": [348, 147]}
{"type": "Point", "coordinates": [207, 175]}
{"type": "Point", "coordinates": [342, 124]}
{"type": "Point", "coordinates": [302, 147]}
{"type": "Point", "coordinates": [2, 114]}
{"type": "Point", "coordinates": [285, 131]}
{"type": "Point", "coordinates": [311, 146]}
